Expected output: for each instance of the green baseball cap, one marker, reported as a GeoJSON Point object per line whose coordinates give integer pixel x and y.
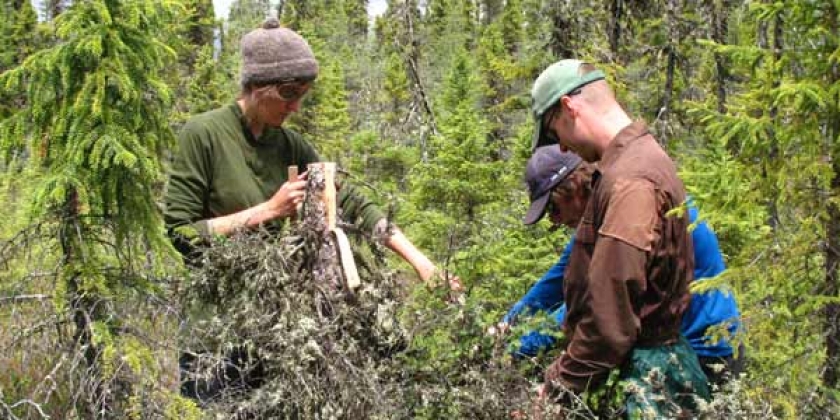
{"type": "Point", "coordinates": [560, 78]}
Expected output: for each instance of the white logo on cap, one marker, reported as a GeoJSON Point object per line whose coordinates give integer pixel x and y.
{"type": "Point", "coordinates": [560, 172]}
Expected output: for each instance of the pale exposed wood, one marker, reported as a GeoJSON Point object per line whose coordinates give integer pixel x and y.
{"type": "Point", "coordinates": [348, 264]}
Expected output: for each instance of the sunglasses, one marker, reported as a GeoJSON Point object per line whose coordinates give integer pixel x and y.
{"type": "Point", "coordinates": [548, 119]}
{"type": "Point", "coordinates": [553, 112]}
{"type": "Point", "coordinates": [291, 91]}
{"type": "Point", "coordinates": [549, 206]}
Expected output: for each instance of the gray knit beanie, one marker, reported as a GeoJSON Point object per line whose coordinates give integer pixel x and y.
{"type": "Point", "coordinates": [273, 54]}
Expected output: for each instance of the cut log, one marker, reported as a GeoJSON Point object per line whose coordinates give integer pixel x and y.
{"type": "Point", "coordinates": [335, 259]}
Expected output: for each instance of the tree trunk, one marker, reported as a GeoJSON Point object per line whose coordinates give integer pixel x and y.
{"type": "Point", "coordinates": [832, 274]}
{"type": "Point", "coordinates": [412, 60]}
{"type": "Point", "coordinates": [672, 18]}
{"type": "Point", "coordinates": [720, 28]}
{"type": "Point", "coordinates": [778, 45]}
{"type": "Point", "coordinates": [773, 149]}
{"type": "Point", "coordinates": [831, 375]}
{"type": "Point", "coordinates": [83, 306]}
{"type": "Point", "coordinates": [319, 217]}
{"type": "Point", "coordinates": [614, 26]}
{"type": "Point", "coordinates": [561, 43]}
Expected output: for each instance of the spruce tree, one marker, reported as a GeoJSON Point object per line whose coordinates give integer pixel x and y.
{"type": "Point", "coordinates": [357, 15]}
{"type": "Point", "coordinates": [244, 16]}
{"type": "Point", "coordinates": [324, 118]}
{"type": "Point", "coordinates": [198, 28]}
{"type": "Point", "coordinates": [23, 34]}
{"type": "Point", "coordinates": [457, 180]}
{"type": "Point", "coordinates": [212, 83]}
{"type": "Point", "coordinates": [781, 123]}
{"type": "Point", "coordinates": [395, 90]}
{"type": "Point", "coordinates": [95, 127]}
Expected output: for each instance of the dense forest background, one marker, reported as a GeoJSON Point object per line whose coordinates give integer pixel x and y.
{"type": "Point", "coordinates": [427, 106]}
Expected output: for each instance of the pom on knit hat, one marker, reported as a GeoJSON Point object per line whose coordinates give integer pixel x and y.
{"type": "Point", "coordinates": [273, 54]}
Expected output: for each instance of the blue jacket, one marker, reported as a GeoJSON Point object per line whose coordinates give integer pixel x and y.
{"type": "Point", "coordinates": [707, 309]}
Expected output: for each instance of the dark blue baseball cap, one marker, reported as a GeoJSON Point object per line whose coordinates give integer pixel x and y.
{"type": "Point", "coordinates": [546, 169]}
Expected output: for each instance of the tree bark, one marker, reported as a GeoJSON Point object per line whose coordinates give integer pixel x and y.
{"type": "Point", "coordinates": [773, 148]}
{"type": "Point", "coordinates": [84, 307]}
{"type": "Point", "coordinates": [412, 59]}
{"type": "Point", "coordinates": [614, 25]}
{"type": "Point", "coordinates": [672, 18]}
{"type": "Point", "coordinates": [831, 375]}
{"type": "Point", "coordinates": [319, 217]}
{"type": "Point", "coordinates": [720, 29]}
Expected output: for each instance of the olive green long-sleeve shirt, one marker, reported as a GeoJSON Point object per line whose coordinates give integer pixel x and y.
{"type": "Point", "coordinates": [221, 169]}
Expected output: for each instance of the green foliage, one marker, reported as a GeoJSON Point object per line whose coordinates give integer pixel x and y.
{"type": "Point", "coordinates": [727, 197]}
{"type": "Point", "coordinates": [20, 36]}
{"type": "Point", "coordinates": [373, 158]}
{"type": "Point", "coordinates": [395, 90]}
{"type": "Point", "coordinates": [431, 113]}
{"type": "Point", "coordinates": [324, 116]}
{"type": "Point", "coordinates": [93, 130]}
{"type": "Point", "coordinates": [457, 179]}
{"type": "Point", "coordinates": [96, 119]}
{"type": "Point", "coordinates": [770, 177]}
{"type": "Point", "coordinates": [244, 16]}
{"type": "Point", "coordinates": [211, 84]}
{"type": "Point", "coordinates": [201, 22]}
{"type": "Point", "coordinates": [357, 16]}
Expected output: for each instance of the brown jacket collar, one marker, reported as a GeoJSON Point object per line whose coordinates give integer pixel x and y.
{"type": "Point", "coordinates": [621, 140]}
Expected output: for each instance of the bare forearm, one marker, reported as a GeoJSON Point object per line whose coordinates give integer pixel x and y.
{"type": "Point", "coordinates": [282, 204]}
{"type": "Point", "coordinates": [245, 219]}
{"type": "Point", "coordinates": [400, 244]}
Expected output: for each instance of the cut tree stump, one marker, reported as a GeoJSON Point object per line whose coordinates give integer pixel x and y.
{"type": "Point", "coordinates": [335, 263]}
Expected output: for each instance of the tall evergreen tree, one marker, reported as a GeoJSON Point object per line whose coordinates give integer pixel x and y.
{"type": "Point", "coordinates": [489, 10]}
{"type": "Point", "coordinates": [95, 126]}
{"type": "Point", "coordinates": [395, 90]}
{"type": "Point", "coordinates": [324, 118]}
{"type": "Point", "coordinates": [18, 32]}
{"type": "Point", "coordinates": [212, 83]}
{"type": "Point", "coordinates": [357, 15]}
{"type": "Point", "coordinates": [501, 59]}
{"type": "Point", "coordinates": [299, 12]}
{"type": "Point", "coordinates": [18, 39]}
{"type": "Point", "coordinates": [781, 123]}
{"type": "Point", "coordinates": [53, 8]}
{"type": "Point", "coordinates": [244, 16]}
{"type": "Point", "coordinates": [399, 31]}
{"type": "Point", "coordinates": [199, 28]}
{"type": "Point", "coordinates": [458, 178]}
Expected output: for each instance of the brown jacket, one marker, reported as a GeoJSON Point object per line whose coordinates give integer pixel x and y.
{"type": "Point", "coordinates": [626, 284]}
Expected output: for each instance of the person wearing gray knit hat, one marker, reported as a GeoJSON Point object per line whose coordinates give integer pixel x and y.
{"type": "Point", "coordinates": [230, 173]}
{"type": "Point", "coordinates": [278, 68]}
{"type": "Point", "coordinates": [272, 54]}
